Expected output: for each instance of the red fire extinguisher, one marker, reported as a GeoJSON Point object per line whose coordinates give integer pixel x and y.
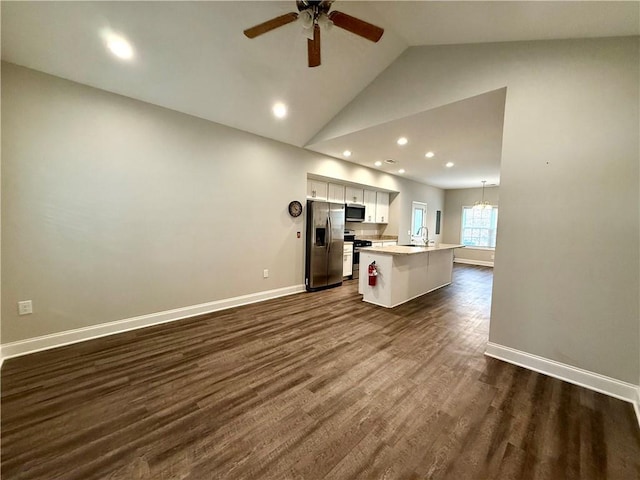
{"type": "Point", "coordinates": [373, 273]}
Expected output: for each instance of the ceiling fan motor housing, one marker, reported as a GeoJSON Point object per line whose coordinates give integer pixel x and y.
{"type": "Point", "coordinates": [318, 6]}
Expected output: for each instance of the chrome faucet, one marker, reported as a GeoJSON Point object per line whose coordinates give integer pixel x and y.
{"type": "Point", "coordinates": [425, 239]}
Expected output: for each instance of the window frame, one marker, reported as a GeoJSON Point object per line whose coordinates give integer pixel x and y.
{"type": "Point", "coordinates": [415, 205]}
{"type": "Point", "coordinates": [492, 231]}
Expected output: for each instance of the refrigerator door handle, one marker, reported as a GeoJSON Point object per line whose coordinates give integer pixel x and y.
{"type": "Point", "coordinates": [330, 237]}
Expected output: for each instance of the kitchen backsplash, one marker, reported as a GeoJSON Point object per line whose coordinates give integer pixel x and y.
{"type": "Point", "coordinates": [365, 229]}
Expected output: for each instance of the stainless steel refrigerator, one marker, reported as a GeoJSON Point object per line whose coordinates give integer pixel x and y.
{"type": "Point", "coordinates": [325, 245]}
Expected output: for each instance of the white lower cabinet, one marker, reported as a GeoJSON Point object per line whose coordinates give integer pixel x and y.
{"type": "Point", "coordinates": [384, 243]}
{"type": "Point", "coordinates": [347, 260]}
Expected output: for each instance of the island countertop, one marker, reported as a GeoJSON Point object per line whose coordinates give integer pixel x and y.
{"type": "Point", "coordinates": [404, 250]}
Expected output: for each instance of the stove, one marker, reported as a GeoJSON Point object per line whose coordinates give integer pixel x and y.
{"type": "Point", "coordinates": [357, 244]}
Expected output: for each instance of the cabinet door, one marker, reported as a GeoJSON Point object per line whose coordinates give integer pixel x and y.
{"type": "Point", "coordinates": [347, 265]}
{"type": "Point", "coordinates": [336, 193]}
{"type": "Point", "coordinates": [382, 207]}
{"type": "Point", "coordinates": [369, 206]}
{"type": "Point", "coordinates": [347, 260]}
{"type": "Point", "coordinates": [316, 189]}
{"type": "Point", "coordinates": [354, 195]}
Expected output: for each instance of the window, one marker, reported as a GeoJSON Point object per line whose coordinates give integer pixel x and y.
{"type": "Point", "coordinates": [479, 227]}
{"type": "Point", "coordinates": [418, 221]}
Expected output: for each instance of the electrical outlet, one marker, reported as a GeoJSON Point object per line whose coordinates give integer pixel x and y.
{"type": "Point", "coordinates": [25, 307]}
{"type": "Point", "coordinates": [265, 273]}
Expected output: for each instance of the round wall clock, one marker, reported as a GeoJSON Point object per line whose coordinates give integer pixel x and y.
{"type": "Point", "coordinates": [295, 208]}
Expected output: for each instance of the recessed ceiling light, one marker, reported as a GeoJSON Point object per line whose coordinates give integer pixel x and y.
{"type": "Point", "coordinates": [402, 141]}
{"type": "Point", "coordinates": [119, 46]}
{"type": "Point", "coordinates": [378, 163]}
{"type": "Point", "coordinates": [429, 154]}
{"type": "Point", "coordinates": [449, 164]}
{"type": "Point", "coordinates": [279, 110]}
{"type": "Point", "coordinates": [401, 170]}
{"type": "Point", "coordinates": [347, 153]}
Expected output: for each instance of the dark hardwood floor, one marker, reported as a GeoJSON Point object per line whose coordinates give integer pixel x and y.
{"type": "Point", "coordinates": [309, 386]}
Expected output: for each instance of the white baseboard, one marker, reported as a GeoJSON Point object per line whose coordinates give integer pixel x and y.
{"type": "Point", "coordinates": [584, 378]}
{"type": "Point", "coordinates": [32, 345]}
{"type": "Point", "coordinates": [482, 263]}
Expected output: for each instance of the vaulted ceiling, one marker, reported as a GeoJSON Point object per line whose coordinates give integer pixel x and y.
{"type": "Point", "coordinates": [192, 57]}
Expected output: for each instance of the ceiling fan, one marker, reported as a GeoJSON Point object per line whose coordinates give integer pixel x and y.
{"type": "Point", "coordinates": [313, 14]}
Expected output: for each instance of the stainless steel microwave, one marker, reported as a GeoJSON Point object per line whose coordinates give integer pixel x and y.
{"type": "Point", "coordinates": [354, 212]}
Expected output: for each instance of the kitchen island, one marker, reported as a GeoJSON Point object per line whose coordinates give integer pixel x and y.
{"type": "Point", "coordinates": [405, 272]}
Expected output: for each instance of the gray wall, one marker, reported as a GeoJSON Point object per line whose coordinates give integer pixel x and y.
{"type": "Point", "coordinates": [566, 274]}
{"type": "Point", "coordinates": [454, 200]}
{"type": "Point", "coordinates": [113, 208]}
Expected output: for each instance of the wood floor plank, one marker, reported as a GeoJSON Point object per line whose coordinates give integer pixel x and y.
{"type": "Point", "coordinates": [309, 386]}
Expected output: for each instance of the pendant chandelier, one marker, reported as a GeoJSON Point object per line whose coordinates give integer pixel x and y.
{"type": "Point", "coordinates": [482, 204]}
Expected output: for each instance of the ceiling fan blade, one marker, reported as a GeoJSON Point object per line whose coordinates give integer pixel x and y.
{"type": "Point", "coordinates": [313, 47]}
{"type": "Point", "coordinates": [272, 24]}
{"type": "Point", "coordinates": [357, 26]}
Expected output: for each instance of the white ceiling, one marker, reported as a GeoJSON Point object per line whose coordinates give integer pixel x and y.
{"type": "Point", "coordinates": [443, 23]}
{"type": "Point", "coordinates": [467, 133]}
{"type": "Point", "coordinates": [192, 57]}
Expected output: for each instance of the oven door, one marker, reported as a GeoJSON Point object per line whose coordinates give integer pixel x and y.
{"type": "Point", "coordinates": [356, 262]}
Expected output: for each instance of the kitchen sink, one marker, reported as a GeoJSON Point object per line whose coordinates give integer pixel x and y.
{"type": "Point", "coordinates": [412, 245]}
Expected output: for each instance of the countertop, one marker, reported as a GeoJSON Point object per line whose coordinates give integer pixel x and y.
{"type": "Point", "coordinates": [378, 238]}
{"type": "Point", "coordinates": [401, 250]}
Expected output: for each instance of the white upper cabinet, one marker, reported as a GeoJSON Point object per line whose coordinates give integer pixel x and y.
{"type": "Point", "coordinates": [316, 189]}
{"type": "Point", "coordinates": [376, 204]}
{"type": "Point", "coordinates": [354, 195]}
{"type": "Point", "coordinates": [382, 207]}
{"type": "Point", "coordinates": [369, 206]}
{"type": "Point", "coordinates": [336, 193]}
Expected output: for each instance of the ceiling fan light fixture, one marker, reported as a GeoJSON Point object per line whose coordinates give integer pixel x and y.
{"type": "Point", "coordinates": [325, 22]}
{"type": "Point", "coordinates": [306, 18]}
